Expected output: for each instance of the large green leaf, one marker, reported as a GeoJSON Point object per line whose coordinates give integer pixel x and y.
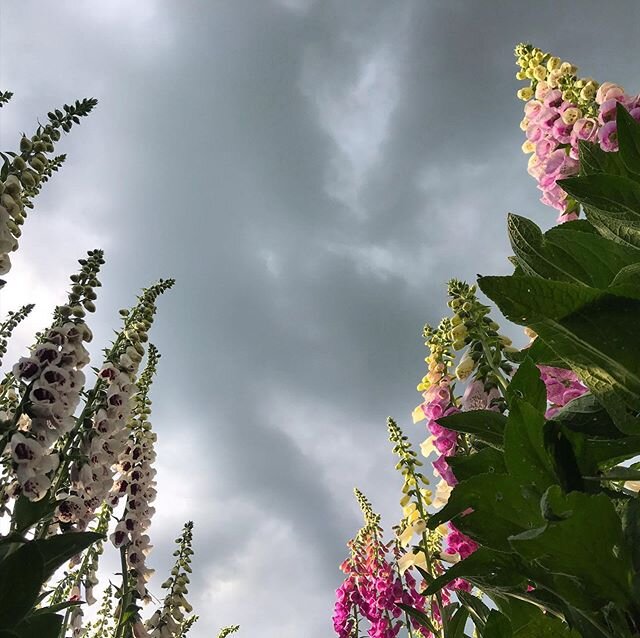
{"type": "Point", "coordinates": [58, 549]}
{"type": "Point", "coordinates": [594, 160]}
{"type": "Point", "coordinates": [486, 425]}
{"type": "Point", "coordinates": [611, 203]}
{"type": "Point", "coordinates": [525, 300]}
{"type": "Point", "coordinates": [568, 255]}
{"type": "Point", "coordinates": [486, 461]}
{"type": "Point", "coordinates": [526, 456]}
{"type": "Point", "coordinates": [592, 336]}
{"type": "Point", "coordinates": [487, 569]}
{"type": "Point", "coordinates": [26, 513]}
{"type": "Point", "coordinates": [21, 577]}
{"type": "Point", "coordinates": [545, 626]}
{"type": "Point", "coordinates": [626, 283]}
{"type": "Point", "coordinates": [497, 626]}
{"type": "Point", "coordinates": [501, 508]}
{"type": "Point", "coordinates": [527, 385]}
{"type": "Point", "coordinates": [586, 541]}
{"type": "Point", "coordinates": [40, 626]}
{"type": "Point", "coordinates": [628, 131]}
{"type": "Point", "coordinates": [457, 623]}
{"type": "Point", "coordinates": [586, 415]}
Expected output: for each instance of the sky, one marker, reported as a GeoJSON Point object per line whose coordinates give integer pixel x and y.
{"type": "Point", "coordinates": [311, 172]}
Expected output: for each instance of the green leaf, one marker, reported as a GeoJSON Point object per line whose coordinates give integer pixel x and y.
{"type": "Point", "coordinates": [477, 609]}
{"type": "Point", "coordinates": [485, 568]}
{"type": "Point", "coordinates": [628, 139]}
{"type": "Point", "coordinates": [5, 633]}
{"type": "Point", "coordinates": [545, 626]}
{"type": "Point", "coordinates": [21, 577]}
{"type": "Point", "coordinates": [631, 529]}
{"type": "Point", "coordinates": [56, 550]}
{"type": "Point", "coordinates": [519, 612]}
{"type": "Point", "coordinates": [419, 616]}
{"type": "Point", "coordinates": [586, 415]}
{"type": "Point", "coordinates": [486, 425]}
{"type": "Point", "coordinates": [574, 545]}
{"type": "Point", "coordinates": [40, 626]}
{"type": "Point", "coordinates": [626, 283]}
{"type": "Point", "coordinates": [594, 160]}
{"type": "Point", "coordinates": [525, 453]}
{"type": "Point", "coordinates": [525, 300]}
{"type": "Point", "coordinates": [486, 461]}
{"type": "Point", "coordinates": [612, 205]}
{"type": "Point", "coordinates": [605, 193]}
{"type": "Point", "coordinates": [457, 623]}
{"type": "Point", "coordinates": [527, 385]}
{"type": "Point", "coordinates": [27, 513]}
{"type": "Point", "coordinates": [55, 608]}
{"type": "Point", "coordinates": [497, 626]}
{"type": "Point", "coordinates": [598, 342]}
{"type": "Point", "coordinates": [501, 508]}
{"type": "Point", "coordinates": [569, 456]}
{"type": "Point", "coordinates": [567, 255]}
{"type": "Point", "coordinates": [592, 332]}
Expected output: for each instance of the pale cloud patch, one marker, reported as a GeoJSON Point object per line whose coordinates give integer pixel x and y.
{"type": "Point", "coordinates": [355, 111]}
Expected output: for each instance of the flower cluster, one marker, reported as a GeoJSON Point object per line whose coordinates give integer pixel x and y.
{"type": "Point", "coordinates": [562, 386]}
{"type": "Point", "coordinates": [51, 380]}
{"type": "Point", "coordinates": [172, 620]}
{"type": "Point", "coordinates": [562, 110]}
{"type": "Point", "coordinates": [136, 482]}
{"type": "Point", "coordinates": [373, 586]}
{"type": "Point", "coordinates": [23, 176]}
{"type": "Point", "coordinates": [100, 447]}
{"type": "Point", "coordinates": [10, 324]}
{"type": "Point", "coordinates": [436, 394]}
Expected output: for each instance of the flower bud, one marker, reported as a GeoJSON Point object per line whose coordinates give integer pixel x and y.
{"type": "Point", "coordinates": [525, 93]}
{"type": "Point", "coordinates": [36, 164]}
{"type": "Point", "coordinates": [465, 367]}
{"type": "Point", "coordinates": [27, 179]}
{"type": "Point", "coordinates": [539, 73]}
{"type": "Point", "coordinates": [25, 144]}
{"type": "Point", "coordinates": [570, 116]}
{"type": "Point", "coordinates": [553, 63]}
{"type": "Point", "coordinates": [19, 164]}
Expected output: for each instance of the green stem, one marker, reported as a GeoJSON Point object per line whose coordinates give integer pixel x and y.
{"type": "Point", "coordinates": [494, 368]}
{"type": "Point", "coordinates": [125, 597]}
{"type": "Point", "coordinates": [425, 549]}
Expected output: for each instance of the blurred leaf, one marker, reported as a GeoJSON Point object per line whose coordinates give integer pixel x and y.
{"type": "Point", "coordinates": [21, 577]}
{"type": "Point", "coordinates": [58, 549]}
{"type": "Point", "coordinates": [486, 425]}
{"type": "Point", "coordinates": [628, 131]}
{"type": "Point", "coordinates": [572, 544]}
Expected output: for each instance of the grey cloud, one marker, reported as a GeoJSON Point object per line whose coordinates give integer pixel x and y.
{"type": "Point", "coordinates": [211, 159]}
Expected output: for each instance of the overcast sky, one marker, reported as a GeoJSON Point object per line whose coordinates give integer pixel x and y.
{"type": "Point", "coordinates": [311, 173]}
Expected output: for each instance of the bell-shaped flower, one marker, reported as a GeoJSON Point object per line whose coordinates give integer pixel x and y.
{"type": "Point", "coordinates": [26, 450]}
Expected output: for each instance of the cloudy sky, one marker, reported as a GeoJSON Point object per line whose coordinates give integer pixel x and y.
{"type": "Point", "coordinates": [311, 172]}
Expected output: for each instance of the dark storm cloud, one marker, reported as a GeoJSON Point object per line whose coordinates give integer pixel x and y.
{"type": "Point", "coordinates": [311, 173]}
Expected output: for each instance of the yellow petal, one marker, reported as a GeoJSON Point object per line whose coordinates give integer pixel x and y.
{"type": "Point", "coordinates": [443, 490]}
{"type": "Point", "coordinates": [406, 536]}
{"type": "Point", "coordinates": [417, 415]}
{"type": "Point", "coordinates": [427, 447]}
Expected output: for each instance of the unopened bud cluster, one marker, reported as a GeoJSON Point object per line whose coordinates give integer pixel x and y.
{"type": "Point", "coordinates": [10, 324]}
{"type": "Point", "coordinates": [22, 176]}
{"type": "Point", "coordinates": [474, 329]}
{"type": "Point", "coordinates": [170, 620]}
